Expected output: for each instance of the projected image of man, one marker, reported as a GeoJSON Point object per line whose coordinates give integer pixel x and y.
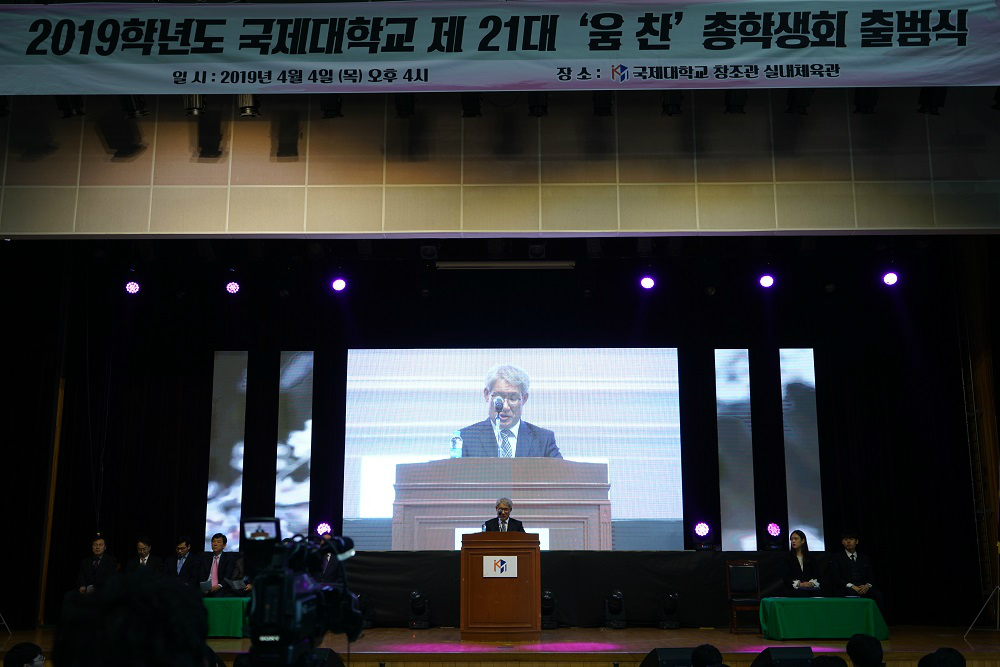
{"type": "Point", "coordinates": [506, 393]}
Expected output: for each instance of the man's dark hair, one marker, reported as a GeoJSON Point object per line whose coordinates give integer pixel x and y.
{"type": "Point", "coordinates": [134, 619]}
{"type": "Point", "coordinates": [864, 650]}
{"type": "Point", "coordinates": [21, 654]}
{"type": "Point", "coordinates": [225, 540]}
{"type": "Point", "coordinates": [144, 540]}
{"type": "Point", "coordinates": [183, 539]}
{"type": "Point", "coordinates": [850, 534]}
{"type": "Point", "coordinates": [705, 655]}
{"type": "Point", "coordinates": [98, 536]}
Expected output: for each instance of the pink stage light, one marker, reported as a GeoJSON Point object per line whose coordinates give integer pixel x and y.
{"type": "Point", "coordinates": [701, 529]}
{"type": "Point", "coordinates": [890, 278]}
{"type": "Point", "coordinates": [647, 282]}
{"type": "Point", "coordinates": [339, 285]}
{"type": "Point", "coordinates": [323, 529]}
{"type": "Point", "coordinates": [232, 287]}
{"type": "Point", "coordinates": [766, 280]}
{"type": "Point", "coordinates": [132, 287]}
{"type": "Point", "coordinates": [773, 529]}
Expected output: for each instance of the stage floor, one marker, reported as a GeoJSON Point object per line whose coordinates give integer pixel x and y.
{"type": "Point", "coordinates": [379, 647]}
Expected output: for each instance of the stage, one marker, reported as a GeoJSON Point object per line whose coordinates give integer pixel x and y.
{"type": "Point", "coordinates": [441, 647]}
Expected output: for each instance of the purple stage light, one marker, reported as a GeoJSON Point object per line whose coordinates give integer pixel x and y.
{"type": "Point", "coordinates": [339, 285]}
{"type": "Point", "coordinates": [232, 287]}
{"type": "Point", "coordinates": [701, 529]}
{"type": "Point", "coordinates": [766, 280]}
{"type": "Point", "coordinates": [132, 287]}
{"type": "Point", "coordinates": [323, 529]}
{"type": "Point", "coordinates": [773, 529]}
{"type": "Point", "coordinates": [647, 282]}
{"type": "Point", "coordinates": [890, 278]}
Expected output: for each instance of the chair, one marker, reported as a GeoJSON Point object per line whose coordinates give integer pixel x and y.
{"type": "Point", "coordinates": [743, 588]}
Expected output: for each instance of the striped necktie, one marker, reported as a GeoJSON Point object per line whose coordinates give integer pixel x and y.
{"type": "Point", "coordinates": [505, 451]}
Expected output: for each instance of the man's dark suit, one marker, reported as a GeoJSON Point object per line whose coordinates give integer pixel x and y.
{"type": "Point", "coordinates": [841, 571]}
{"type": "Point", "coordinates": [513, 526]}
{"type": "Point", "coordinates": [88, 575]}
{"type": "Point", "coordinates": [532, 441]}
{"type": "Point", "coordinates": [154, 565]}
{"type": "Point", "coordinates": [191, 574]}
{"type": "Point", "coordinates": [227, 570]}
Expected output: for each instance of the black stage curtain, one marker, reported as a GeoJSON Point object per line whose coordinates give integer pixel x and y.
{"type": "Point", "coordinates": [138, 374]}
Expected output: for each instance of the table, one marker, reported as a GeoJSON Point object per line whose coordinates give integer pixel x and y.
{"type": "Point", "coordinates": [820, 618]}
{"type": "Point", "coordinates": [226, 616]}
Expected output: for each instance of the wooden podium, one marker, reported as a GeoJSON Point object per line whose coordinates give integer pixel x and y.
{"type": "Point", "coordinates": [496, 605]}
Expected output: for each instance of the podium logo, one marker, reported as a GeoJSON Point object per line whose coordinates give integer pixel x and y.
{"type": "Point", "coordinates": [500, 566]}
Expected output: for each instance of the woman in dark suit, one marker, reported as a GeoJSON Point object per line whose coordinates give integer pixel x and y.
{"type": "Point", "coordinates": [800, 569]}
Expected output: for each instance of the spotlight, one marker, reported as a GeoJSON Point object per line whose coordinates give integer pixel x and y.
{"type": "Point", "coordinates": [671, 102]}
{"type": "Point", "coordinates": [736, 101]}
{"type": "Point", "coordinates": [667, 614]}
{"type": "Point", "coordinates": [338, 285]}
{"type": "Point", "coordinates": [798, 100]}
{"type": "Point", "coordinates": [614, 610]}
{"type": "Point", "coordinates": [647, 282]}
{"type": "Point", "coordinates": [331, 106]}
{"type": "Point", "coordinates": [549, 610]}
{"type": "Point", "coordinates": [931, 100]}
{"type": "Point", "coordinates": [703, 536]}
{"type": "Point", "coordinates": [604, 103]}
{"type": "Point", "coordinates": [134, 106]}
{"type": "Point", "coordinates": [774, 541]}
{"type": "Point", "coordinates": [472, 105]}
{"type": "Point", "coordinates": [767, 280]}
{"type": "Point", "coordinates": [420, 611]}
{"type": "Point", "coordinates": [70, 105]}
{"type": "Point", "coordinates": [538, 104]}
{"type": "Point", "coordinates": [890, 278]}
{"type": "Point", "coordinates": [248, 105]}
{"type": "Point", "coordinates": [232, 287]}
{"type": "Point", "coordinates": [865, 100]}
{"type": "Point", "coordinates": [323, 529]}
{"type": "Point", "coordinates": [406, 105]}
{"type": "Point", "coordinates": [132, 287]}
{"type": "Point", "coordinates": [194, 105]}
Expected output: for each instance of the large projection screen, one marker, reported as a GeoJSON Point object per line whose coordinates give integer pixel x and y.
{"type": "Point", "coordinates": [598, 447]}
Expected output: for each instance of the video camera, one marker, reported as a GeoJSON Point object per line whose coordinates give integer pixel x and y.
{"type": "Point", "coordinates": [299, 594]}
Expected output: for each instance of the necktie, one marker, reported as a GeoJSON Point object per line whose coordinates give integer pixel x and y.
{"type": "Point", "coordinates": [97, 561]}
{"type": "Point", "coordinates": [503, 526]}
{"type": "Point", "coordinates": [854, 558]}
{"type": "Point", "coordinates": [143, 562]}
{"type": "Point", "coordinates": [505, 450]}
{"type": "Point", "coordinates": [180, 563]}
{"type": "Point", "coordinates": [215, 571]}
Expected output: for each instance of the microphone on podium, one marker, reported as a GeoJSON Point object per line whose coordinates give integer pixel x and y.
{"type": "Point", "coordinates": [497, 405]}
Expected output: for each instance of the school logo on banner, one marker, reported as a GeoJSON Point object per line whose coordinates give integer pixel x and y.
{"type": "Point", "coordinates": [500, 566]}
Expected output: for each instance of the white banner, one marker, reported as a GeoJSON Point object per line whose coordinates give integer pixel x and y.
{"type": "Point", "coordinates": [500, 566]}
{"type": "Point", "coordinates": [453, 46]}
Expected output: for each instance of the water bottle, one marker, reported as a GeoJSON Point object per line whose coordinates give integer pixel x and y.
{"type": "Point", "coordinates": [456, 445]}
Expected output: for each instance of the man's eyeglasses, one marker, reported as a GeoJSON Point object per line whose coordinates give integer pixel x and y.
{"type": "Point", "coordinates": [512, 399]}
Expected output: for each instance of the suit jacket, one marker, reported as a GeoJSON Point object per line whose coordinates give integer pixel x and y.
{"type": "Point", "coordinates": [479, 440]}
{"type": "Point", "coordinates": [154, 565]}
{"type": "Point", "coordinates": [87, 575]}
{"type": "Point", "coordinates": [840, 570]}
{"type": "Point", "coordinates": [793, 572]}
{"type": "Point", "coordinates": [513, 525]}
{"type": "Point", "coordinates": [227, 570]}
{"type": "Point", "coordinates": [191, 574]}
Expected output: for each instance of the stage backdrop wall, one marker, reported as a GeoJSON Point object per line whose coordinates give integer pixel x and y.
{"type": "Point", "coordinates": [135, 429]}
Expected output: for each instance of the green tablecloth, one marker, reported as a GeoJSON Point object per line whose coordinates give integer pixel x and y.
{"type": "Point", "coordinates": [226, 616]}
{"type": "Point", "coordinates": [820, 618]}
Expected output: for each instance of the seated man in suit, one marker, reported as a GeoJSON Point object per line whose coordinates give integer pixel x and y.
{"type": "Point", "coordinates": [220, 565]}
{"type": "Point", "coordinates": [852, 572]}
{"type": "Point", "coordinates": [503, 523]}
{"type": "Point", "coordinates": [96, 569]}
{"type": "Point", "coordinates": [505, 393]}
{"type": "Point", "coordinates": [184, 566]}
{"type": "Point", "coordinates": [144, 561]}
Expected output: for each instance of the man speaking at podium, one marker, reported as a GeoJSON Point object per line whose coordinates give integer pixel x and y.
{"type": "Point", "coordinates": [504, 434]}
{"type": "Point", "coordinates": [503, 523]}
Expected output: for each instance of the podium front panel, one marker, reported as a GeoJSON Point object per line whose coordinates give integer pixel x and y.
{"type": "Point", "coordinates": [496, 605]}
